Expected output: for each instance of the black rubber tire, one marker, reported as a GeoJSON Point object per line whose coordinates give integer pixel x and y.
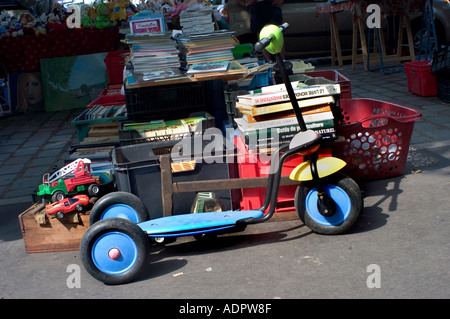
{"type": "Point", "coordinates": [118, 198]}
{"type": "Point", "coordinates": [93, 189]}
{"type": "Point", "coordinates": [57, 196]}
{"type": "Point", "coordinates": [106, 226]}
{"type": "Point", "coordinates": [352, 190]}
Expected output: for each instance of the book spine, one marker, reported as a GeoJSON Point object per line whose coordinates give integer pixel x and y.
{"type": "Point", "coordinates": [282, 131]}
{"type": "Point", "coordinates": [102, 112]}
{"type": "Point", "coordinates": [267, 144]}
{"type": "Point", "coordinates": [315, 109]}
{"type": "Point", "coordinates": [318, 102]}
{"type": "Point", "coordinates": [264, 145]}
{"type": "Point", "coordinates": [309, 118]}
{"type": "Point", "coordinates": [244, 125]}
{"type": "Point", "coordinates": [300, 93]}
{"type": "Point", "coordinates": [93, 111]}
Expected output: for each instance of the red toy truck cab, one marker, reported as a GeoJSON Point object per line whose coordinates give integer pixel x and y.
{"type": "Point", "coordinates": [82, 177]}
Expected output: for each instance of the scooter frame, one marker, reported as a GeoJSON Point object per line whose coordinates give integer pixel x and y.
{"type": "Point", "coordinates": [113, 250]}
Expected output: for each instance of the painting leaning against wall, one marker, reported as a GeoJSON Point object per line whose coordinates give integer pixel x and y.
{"type": "Point", "coordinates": [73, 82]}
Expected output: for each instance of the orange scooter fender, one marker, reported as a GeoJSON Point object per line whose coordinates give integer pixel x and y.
{"type": "Point", "coordinates": [325, 167]}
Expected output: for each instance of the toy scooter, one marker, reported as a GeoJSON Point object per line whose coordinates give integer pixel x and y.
{"type": "Point", "coordinates": [115, 247]}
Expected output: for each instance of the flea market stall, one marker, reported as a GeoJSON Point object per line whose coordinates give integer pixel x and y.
{"type": "Point", "coordinates": [175, 111]}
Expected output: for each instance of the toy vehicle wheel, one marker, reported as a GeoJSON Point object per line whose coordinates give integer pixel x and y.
{"type": "Point", "coordinates": [164, 240]}
{"type": "Point", "coordinates": [348, 199]}
{"type": "Point", "coordinates": [119, 204]}
{"type": "Point", "coordinates": [59, 215]}
{"type": "Point", "coordinates": [93, 189]}
{"type": "Point", "coordinates": [114, 250]}
{"type": "Point", "coordinates": [79, 207]}
{"type": "Point", "coordinates": [57, 196]}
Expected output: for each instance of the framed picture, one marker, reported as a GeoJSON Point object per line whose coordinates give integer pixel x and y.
{"type": "Point", "coordinates": [25, 93]}
{"type": "Point", "coordinates": [73, 82]}
{"type": "Point", "coordinates": [148, 24]}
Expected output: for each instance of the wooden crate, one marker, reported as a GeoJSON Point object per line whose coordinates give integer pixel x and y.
{"type": "Point", "coordinates": [43, 234]}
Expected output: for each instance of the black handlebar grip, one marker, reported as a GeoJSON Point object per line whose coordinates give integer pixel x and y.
{"type": "Point", "coordinates": [284, 26]}
{"type": "Point", "coordinates": [264, 42]}
{"type": "Point", "coordinates": [261, 44]}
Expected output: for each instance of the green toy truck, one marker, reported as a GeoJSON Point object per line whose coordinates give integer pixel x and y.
{"type": "Point", "coordinates": [55, 188]}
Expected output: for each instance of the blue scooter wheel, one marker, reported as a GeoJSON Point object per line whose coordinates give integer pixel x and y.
{"type": "Point", "coordinates": [348, 199]}
{"type": "Point", "coordinates": [121, 211]}
{"type": "Point", "coordinates": [114, 250]}
{"type": "Point", "coordinates": [119, 205]}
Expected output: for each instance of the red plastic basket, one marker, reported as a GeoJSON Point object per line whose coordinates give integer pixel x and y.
{"type": "Point", "coordinates": [377, 137]}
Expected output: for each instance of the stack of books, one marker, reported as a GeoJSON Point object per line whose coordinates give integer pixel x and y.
{"type": "Point", "coordinates": [103, 112]}
{"type": "Point", "coordinates": [152, 53]}
{"type": "Point", "coordinates": [197, 19]}
{"type": "Point", "coordinates": [269, 120]}
{"type": "Point", "coordinates": [205, 47]}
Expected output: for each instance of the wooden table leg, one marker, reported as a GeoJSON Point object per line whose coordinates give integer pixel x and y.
{"type": "Point", "coordinates": [166, 185]}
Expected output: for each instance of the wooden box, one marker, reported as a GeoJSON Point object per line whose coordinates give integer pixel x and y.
{"type": "Point", "coordinates": [44, 234]}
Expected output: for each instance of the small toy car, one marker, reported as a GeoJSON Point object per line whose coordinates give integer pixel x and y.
{"type": "Point", "coordinates": [67, 205]}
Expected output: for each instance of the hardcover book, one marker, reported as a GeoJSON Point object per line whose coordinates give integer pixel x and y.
{"type": "Point", "coordinates": [206, 67]}
{"type": "Point", "coordinates": [282, 96]}
{"type": "Point", "coordinates": [280, 107]}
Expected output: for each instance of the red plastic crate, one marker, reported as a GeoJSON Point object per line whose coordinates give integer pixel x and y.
{"type": "Point", "coordinates": [115, 63]}
{"type": "Point", "coordinates": [376, 136]}
{"type": "Point", "coordinates": [333, 75]}
{"type": "Point", "coordinates": [420, 80]}
{"type": "Point", "coordinates": [112, 90]}
{"type": "Point", "coordinates": [251, 164]}
{"type": "Point", "coordinates": [106, 100]}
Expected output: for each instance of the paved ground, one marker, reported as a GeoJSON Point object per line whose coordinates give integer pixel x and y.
{"type": "Point", "coordinates": [400, 241]}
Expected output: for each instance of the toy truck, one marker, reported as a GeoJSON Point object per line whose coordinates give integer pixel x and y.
{"type": "Point", "coordinates": [55, 187]}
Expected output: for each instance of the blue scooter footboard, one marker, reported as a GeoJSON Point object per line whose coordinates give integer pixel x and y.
{"type": "Point", "coordinates": [191, 224]}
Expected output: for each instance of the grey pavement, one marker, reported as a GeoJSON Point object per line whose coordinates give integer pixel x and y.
{"type": "Point", "coordinates": [30, 146]}
{"type": "Point", "coordinates": [403, 230]}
